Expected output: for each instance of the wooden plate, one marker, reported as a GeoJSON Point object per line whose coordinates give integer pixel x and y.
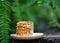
{"type": "Point", "coordinates": [34, 36]}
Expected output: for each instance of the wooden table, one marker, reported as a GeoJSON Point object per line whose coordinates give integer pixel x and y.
{"type": "Point", "coordinates": [35, 38]}
{"type": "Point", "coordinates": [51, 38]}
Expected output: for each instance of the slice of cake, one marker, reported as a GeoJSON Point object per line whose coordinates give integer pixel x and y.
{"type": "Point", "coordinates": [24, 28]}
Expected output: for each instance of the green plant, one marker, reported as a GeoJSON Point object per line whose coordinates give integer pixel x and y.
{"type": "Point", "coordinates": [4, 22]}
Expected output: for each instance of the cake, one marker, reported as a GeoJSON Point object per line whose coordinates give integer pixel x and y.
{"type": "Point", "coordinates": [24, 28]}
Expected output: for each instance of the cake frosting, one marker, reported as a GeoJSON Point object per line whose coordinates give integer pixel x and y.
{"type": "Point", "coordinates": [24, 28]}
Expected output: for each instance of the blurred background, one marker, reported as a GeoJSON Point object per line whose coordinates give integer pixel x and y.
{"type": "Point", "coordinates": [44, 13]}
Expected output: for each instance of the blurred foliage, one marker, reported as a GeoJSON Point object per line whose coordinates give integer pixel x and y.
{"type": "Point", "coordinates": [12, 11]}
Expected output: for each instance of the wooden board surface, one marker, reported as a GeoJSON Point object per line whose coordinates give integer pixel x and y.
{"type": "Point", "coordinates": [51, 36]}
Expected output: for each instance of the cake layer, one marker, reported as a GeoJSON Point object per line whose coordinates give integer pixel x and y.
{"type": "Point", "coordinates": [24, 28]}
